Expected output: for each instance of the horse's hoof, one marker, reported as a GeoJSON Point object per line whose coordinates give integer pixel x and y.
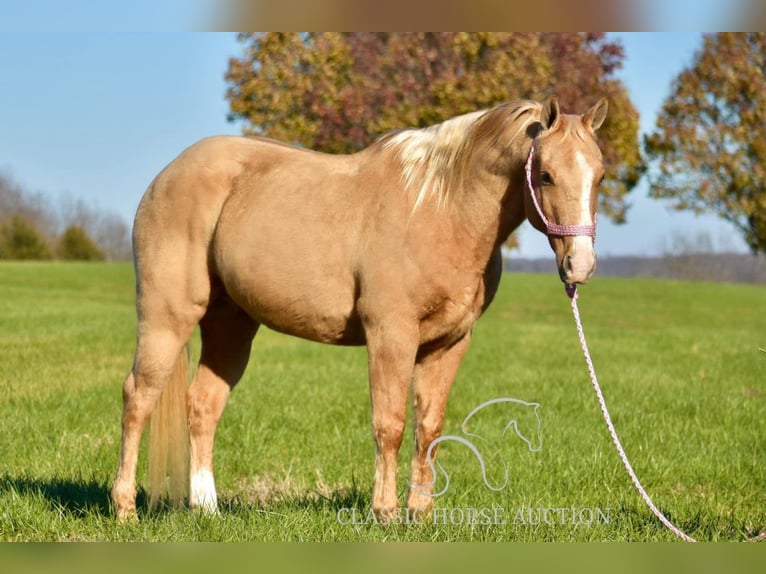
{"type": "Point", "coordinates": [420, 514]}
{"type": "Point", "coordinates": [127, 516]}
{"type": "Point", "coordinates": [124, 504]}
{"type": "Point", "coordinates": [387, 515]}
{"type": "Point", "coordinates": [419, 506]}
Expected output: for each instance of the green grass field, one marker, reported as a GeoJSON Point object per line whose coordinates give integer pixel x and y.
{"type": "Point", "coordinates": [679, 364]}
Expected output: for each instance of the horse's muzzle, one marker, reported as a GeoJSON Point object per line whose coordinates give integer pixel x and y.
{"type": "Point", "coordinates": [579, 263]}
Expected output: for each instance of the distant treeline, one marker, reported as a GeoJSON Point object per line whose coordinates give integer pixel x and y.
{"type": "Point", "coordinates": [728, 267]}
{"type": "Point", "coordinates": [33, 227]}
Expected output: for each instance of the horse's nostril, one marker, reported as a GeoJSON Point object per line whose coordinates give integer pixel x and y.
{"type": "Point", "coordinates": [568, 264]}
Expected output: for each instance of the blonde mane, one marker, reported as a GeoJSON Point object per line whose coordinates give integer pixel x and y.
{"type": "Point", "coordinates": [433, 159]}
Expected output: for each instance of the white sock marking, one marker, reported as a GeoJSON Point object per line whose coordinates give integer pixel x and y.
{"type": "Point", "coordinates": [203, 494]}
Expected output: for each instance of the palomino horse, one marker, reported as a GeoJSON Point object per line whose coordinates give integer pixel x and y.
{"type": "Point", "coordinates": [396, 247]}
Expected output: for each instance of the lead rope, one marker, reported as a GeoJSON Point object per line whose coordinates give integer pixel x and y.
{"type": "Point", "coordinates": [572, 293]}
{"type": "Point", "coordinates": [590, 230]}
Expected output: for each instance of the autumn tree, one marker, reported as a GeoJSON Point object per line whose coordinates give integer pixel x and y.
{"type": "Point", "coordinates": [710, 138]}
{"type": "Point", "coordinates": [337, 92]}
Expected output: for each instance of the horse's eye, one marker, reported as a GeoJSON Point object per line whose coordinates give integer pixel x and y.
{"type": "Point", "coordinates": [545, 178]}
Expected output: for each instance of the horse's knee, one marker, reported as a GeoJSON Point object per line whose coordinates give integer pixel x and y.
{"type": "Point", "coordinates": [388, 431]}
{"type": "Point", "coordinates": [427, 430]}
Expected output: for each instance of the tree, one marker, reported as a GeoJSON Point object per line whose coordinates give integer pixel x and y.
{"type": "Point", "coordinates": [105, 229]}
{"type": "Point", "coordinates": [337, 92]}
{"type": "Point", "coordinates": [33, 208]}
{"type": "Point", "coordinates": [710, 138]}
{"type": "Point", "coordinates": [75, 244]}
{"type": "Point", "coordinates": [19, 239]}
{"type": "Point", "coordinates": [112, 235]}
{"type": "Point", "coordinates": [50, 219]}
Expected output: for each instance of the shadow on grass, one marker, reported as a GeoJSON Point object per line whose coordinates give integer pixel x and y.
{"type": "Point", "coordinates": [321, 499]}
{"type": "Point", "coordinates": [77, 497]}
{"type": "Point", "coordinates": [81, 497]}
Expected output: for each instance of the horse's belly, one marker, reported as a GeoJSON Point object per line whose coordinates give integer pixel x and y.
{"type": "Point", "coordinates": [323, 312]}
{"type": "Point", "coordinates": [289, 272]}
{"type": "Point", "coordinates": [323, 328]}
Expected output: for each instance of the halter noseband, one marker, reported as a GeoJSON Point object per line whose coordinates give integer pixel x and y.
{"type": "Point", "coordinates": [554, 228]}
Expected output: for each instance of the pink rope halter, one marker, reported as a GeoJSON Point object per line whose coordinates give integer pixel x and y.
{"type": "Point", "coordinates": [554, 228]}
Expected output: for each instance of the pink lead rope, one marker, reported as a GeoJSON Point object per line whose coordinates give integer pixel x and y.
{"type": "Point", "coordinates": [572, 293]}
{"type": "Point", "coordinates": [590, 231]}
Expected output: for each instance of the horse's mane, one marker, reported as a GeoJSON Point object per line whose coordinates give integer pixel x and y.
{"type": "Point", "coordinates": [433, 159]}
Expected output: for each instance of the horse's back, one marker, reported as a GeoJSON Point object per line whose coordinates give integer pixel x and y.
{"type": "Point", "coordinates": [298, 238]}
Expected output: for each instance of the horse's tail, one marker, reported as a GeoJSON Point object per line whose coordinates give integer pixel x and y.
{"type": "Point", "coordinates": [169, 439]}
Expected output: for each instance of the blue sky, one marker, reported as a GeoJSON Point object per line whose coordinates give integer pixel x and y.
{"type": "Point", "coordinates": [83, 16]}
{"type": "Point", "coordinates": [97, 115]}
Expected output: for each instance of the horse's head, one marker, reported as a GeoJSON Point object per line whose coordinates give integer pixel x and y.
{"type": "Point", "coordinates": [564, 171]}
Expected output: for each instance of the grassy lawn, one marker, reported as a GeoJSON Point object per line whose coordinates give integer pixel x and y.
{"type": "Point", "coordinates": [679, 363]}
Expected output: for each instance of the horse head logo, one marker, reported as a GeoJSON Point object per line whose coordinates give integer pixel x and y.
{"type": "Point", "coordinates": [484, 432]}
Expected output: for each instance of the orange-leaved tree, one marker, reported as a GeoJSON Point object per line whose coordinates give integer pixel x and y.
{"type": "Point", "coordinates": [710, 138]}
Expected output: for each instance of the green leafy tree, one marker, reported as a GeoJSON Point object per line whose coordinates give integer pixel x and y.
{"type": "Point", "coordinates": [337, 92]}
{"type": "Point", "coordinates": [19, 239]}
{"type": "Point", "coordinates": [76, 244]}
{"type": "Point", "coordinates": [710, 138]}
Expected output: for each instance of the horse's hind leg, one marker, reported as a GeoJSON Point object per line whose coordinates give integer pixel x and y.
{"type": "Point", "coordinates": [432, 381]}
{"type": "Point", "coordinates": [158, 353]}
{"type": "Point", "coordinates": [173, 291]}
{"type": "Point", "coordinates": [227, 333]}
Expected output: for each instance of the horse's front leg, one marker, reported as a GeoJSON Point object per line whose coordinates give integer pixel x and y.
{"type": "Point", "coordinates": [432, 381]}
{"type": "Point", "coordinates": [392, 349]}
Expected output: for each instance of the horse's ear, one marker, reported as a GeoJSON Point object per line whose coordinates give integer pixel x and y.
{"type": "Point", "coordinates": [551, 113]}
{"type": "Point", "coordinates": [596, 115]}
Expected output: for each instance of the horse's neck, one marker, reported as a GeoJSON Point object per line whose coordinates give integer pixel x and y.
{"type": "Point", "coordinates": [491, 199]}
